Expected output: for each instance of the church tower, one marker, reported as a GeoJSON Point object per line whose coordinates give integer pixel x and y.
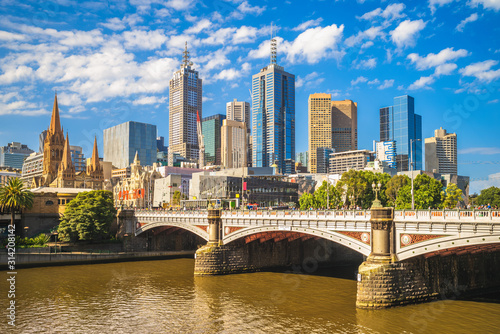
{"type": "Point", "coordinates": [66, 172]}
{"type": "Point", "coordinates": [53, 147]}
{"type": "Point", "coordinates": [94, 169]}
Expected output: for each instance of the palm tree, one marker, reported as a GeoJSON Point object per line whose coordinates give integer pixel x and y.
{"type": "Point", "coordinates": [13, 196]}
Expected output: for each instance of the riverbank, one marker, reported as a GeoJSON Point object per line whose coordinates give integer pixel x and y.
{"type": "Point", "coordinates": [33, 259]}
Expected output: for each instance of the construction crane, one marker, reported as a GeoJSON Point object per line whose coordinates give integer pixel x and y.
{"type": "Point", "coordinates": [201, 144]}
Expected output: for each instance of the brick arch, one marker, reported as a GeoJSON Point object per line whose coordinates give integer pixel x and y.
{"type": "Point", "coordinates": [274, 232]}
{"type": "Point", "coordinates": [198, 230]}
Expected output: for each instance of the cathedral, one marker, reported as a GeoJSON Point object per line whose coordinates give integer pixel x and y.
{"type": "Point", "coordinates": [58, 168]}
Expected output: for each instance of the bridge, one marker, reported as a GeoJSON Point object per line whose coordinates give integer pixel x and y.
{"type": "Point", "coordinates": [416, 232]}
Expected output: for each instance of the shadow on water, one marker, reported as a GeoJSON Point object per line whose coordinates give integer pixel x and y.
{"type": "Point", "coordinates": [484, 297]}
{"type": "Point", "coordinates": [348, 271]}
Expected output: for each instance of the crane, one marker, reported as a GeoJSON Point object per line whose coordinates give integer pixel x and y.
{"type": "Point", "coordinates": [201, 145]}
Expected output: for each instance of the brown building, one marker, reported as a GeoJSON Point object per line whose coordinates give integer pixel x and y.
{"type": "Point", "coordinates": [332, 124]}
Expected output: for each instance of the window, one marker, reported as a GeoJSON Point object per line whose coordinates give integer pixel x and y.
{"type": "Point", "coordinates": [49, 202]}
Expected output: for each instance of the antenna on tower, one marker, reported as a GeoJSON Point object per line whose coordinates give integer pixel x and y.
{"type": "Point", "coordinates": [185, 57]}
{"type": "Point", "coordinates": [273, 46]}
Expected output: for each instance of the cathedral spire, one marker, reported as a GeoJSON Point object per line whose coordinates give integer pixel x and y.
{"type": "Point", "coordinates": [55, 123]}
{"type": "Point", "coordinates": [94, 161]}
{"type": "Point", "coordinates": [66, 162]}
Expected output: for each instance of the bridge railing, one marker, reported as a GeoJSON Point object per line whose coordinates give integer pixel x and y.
{"type": "Point", "coordinates": [311, 214]}
{"type": "Point", "coordinates": [443, 215]}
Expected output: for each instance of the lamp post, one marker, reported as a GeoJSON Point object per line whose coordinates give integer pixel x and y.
{"type": "Point", "coordinates": [55, 234]}
{"type": "Point", "coordinates": [327, 192]}
{"type": "Point", "coordinates": [411, 171]}
{"type": "Point", "coordinates": [376, 188]}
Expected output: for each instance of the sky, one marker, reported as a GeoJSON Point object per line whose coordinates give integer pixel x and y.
{"type": "Point", "coordinates": [111, 62]}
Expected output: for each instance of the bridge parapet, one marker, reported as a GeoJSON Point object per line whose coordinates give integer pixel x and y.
{"type": "Point", "coordinates": [447, 215]}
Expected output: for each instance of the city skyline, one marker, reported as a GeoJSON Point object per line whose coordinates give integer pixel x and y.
{"type": "Point", "coordinates": [113, 64]}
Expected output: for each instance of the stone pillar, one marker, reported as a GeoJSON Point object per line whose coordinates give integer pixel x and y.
{"type": "Point", "coordinates": [211, 259]}
{"type": "Point", "coordinates": [124, 223]}
{"type": "Point", "coordinates": [214, 226]}
{"type": "Point", "coordinates": [382, 231]}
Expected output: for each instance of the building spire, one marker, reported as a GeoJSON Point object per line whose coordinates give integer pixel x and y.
{"type": "Point", "coordinates": [273, 46]}
{"type": "Point", "coordinates": [55, 123]}
{"type": "Point", "coordinates": [94, 160]}
{"type": "Point", "coordinates": [185, 57]}
{"type": "Point", "coordinates": [136, 158]}
{"type": "Point", "coordinates": [66, 162]}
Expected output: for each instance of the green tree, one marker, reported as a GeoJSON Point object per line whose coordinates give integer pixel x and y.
{"type": "Point", "coordinates": [490, 196]}
{"type": "Point", "coordinates": [14, 197]}
{"type": "Point", "coordinates": [452, 195]}
{"type": "Point", "coordinates": [394, 186]}
{"type": "Point", "coordinates": [88, 216]}
{"type": "Point", "coordinates": [427, 194]}
{"type": "Point", "coordinates": [356, 187]}
{"type": "Point", "coordinates": [176, 198]}
{"type": "Point", "coordinates": [306, 201]}
{"type": "Point", "coordinates": [322, 200]}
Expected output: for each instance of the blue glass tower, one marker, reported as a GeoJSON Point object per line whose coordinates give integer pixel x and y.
{"type": "Point", "coordinates": [400, 123]}
{"type": "Point", "coordinates": [273, 115]}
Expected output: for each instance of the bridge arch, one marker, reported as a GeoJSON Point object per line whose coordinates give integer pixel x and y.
{"type": "Point", "coordinates": [191, 228]}
{"type": "Point", "coordinates": [342, 239]}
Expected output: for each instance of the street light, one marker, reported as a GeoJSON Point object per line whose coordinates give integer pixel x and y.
{"type": "Point", "coordinates": [411, 171]}
{"type": "Point", "coordinates": [376, 188]}
{"type": "Point", "coordinates": [55, 233]}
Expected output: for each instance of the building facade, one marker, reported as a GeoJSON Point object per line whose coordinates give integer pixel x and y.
{"type": "Point", "coordinates": [332, 124]}
{"type": "Point", "coordinates": [32, 168]}
{"type": "Point", "coordinates": [8, 173]}
{"type": "Point", "coordinates": [185, 101]}
{"type": "Point", "coordinates": [441, 152]}
{"type": "Point", "coordinates": [13, 155]}
{"type": "Point", "coordinates": [78, 158]}
{"type": "Point", "coordinates": [399, 123]}
{"type": "Point", "coordinates": [343, 161]}
{"type": "Point", "coordinates": [234, 144]}
{"type": "Point", "coordinates": [386, 152]}
{"type": "Point", "coordinates": [323, 159]}
{"type": "Point", "coordinates": [123, 141]}
{"type": "Point", "coordinates": [273, 115]}
{"type": "Point", "coordinates": [211, 130]}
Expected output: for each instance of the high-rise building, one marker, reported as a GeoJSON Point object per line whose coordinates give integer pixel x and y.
{"type": "Point", "coordinates": [240, 111]}
{"type": "Point", "coordinates": [323, 159]}
{"type": "Point", "coordinates": [211, 130]}
{"type": "Point", "coordinates": [234, 144]}
{"type": "Point", "coordinates": [399, 123]}
{"type": "Point", "coordinates": [273, 115]}
{"type": "Point", "coordinates": [160, 144]}
{"type": "Point", "coordinates": [13, 155]}
{"type": "Point", "coordinates": [441, 152]}
{"type": "Point", "coordinates": [386, 152]}
{"type": "Point", "coordinates": [332, 124]}
{"type": "Point", "coordinates": [78, 158]}
{"type": "Point", "coordinates": [122, 141]}
{"type": "Point", "coordinates": [343, 161]}
{"type": "Point", "coordinates": [302, 157]}
{"type": "Point", "coordinates": [185, 99]}
{"type": "Point", "coordinates": [41, 141]}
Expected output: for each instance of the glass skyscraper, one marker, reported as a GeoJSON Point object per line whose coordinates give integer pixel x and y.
{"type": "Point", "coordinates": [123, 140]}
{"type": "Point", "coordinates": [273, 115]}
{"type": "Point", "coordinates": [399, 123]}
{"type": "Point", "coordinates": [211, 130]}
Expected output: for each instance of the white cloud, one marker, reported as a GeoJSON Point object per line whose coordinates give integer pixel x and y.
{"type": "Point", "coordinates": [390, 13]}
{"type": "Point", "coordinates": [117, 24]}
{"type": "Point", "coordinates": [15, 73]}
{"type": "Point", "coordinates": [444, 69]}
{"type": "Point", "coordinates": [11, 104]}
{"type": "Point", "coordinates": [370, 34]}
{"type": "Point", "coordinates": [480, 150]}
{"type": "Point", "coordinates": [311, 80]}
{"type": "Point", "coordinates": [476, 185]}
{"type": "Point", "coordinates": [232, 73]}
{"type": "Point", "coordinates": [245, 34]}
{"type": "Point", "coordinates": [198, 27]}
{"type": "Point", "coordinates": [407, 32]}
{"type": "Point", "coordinates": [434, 60]}
{"type": "Point", "coordinates": [145, 40]}
{"type": "Point", "coordinates": [9, 36]}
{"type": "Point", "coordinates": [374, 82]}
{"type": "Point", "coordinates": [386, 84]}
{"type": "Point", "coordinates": [246, 8]}
{"type": "Point", "coordinates": [315, 44]}
{"type": "Point", "coordinates": [438, 3]}
{"type": "Point", "coordinates": [241, 35]}
{"type": "Point", "coordinates": [308, 24]}
{"type": "Point", "coordinates": [367, 64]}
{"type": "Point", "coordinates": [473, 17]}
{"type": "Point", "coordinates": [422, 83]}
{"type": "Point", "coordinates": [482, 70]}
{"type": "Point", "coordinates": [358, 80]}
{"type": "Point", "coordinates": [488, 4]}
{"type": "Point", "coordinates": [149, 100]}
{"type": "Point", "coordinates": [179, 4]}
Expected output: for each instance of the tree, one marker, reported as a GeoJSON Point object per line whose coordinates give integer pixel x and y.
{"type": "Point", "coordinates": [14, 197]}
{"type": "Point", "coordinates": [394, 186]}
{"type": "Point", "coordinates": [322, 200]}
{"type": "Point", "coordinates": [176, 198]}
{"type": "Point", "coordinates": [356, 187]}
{"type": "Point", "coordinates": [452, 195]}
{"type": "Point", "coordinates": [88, 216]}
{"type": "Point", "coordinates": [306, 201]}
{"type": "Point", "coordinates": [490, 196]}
{"type": "Point", "coordinates": [427, 194]}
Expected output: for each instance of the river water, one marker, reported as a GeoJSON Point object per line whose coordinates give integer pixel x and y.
{"type": "Point", "coordinates": [164, 297]}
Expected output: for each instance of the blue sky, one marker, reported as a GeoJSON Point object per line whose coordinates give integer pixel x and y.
{"type": "Point", "coordinates": [111, 61]}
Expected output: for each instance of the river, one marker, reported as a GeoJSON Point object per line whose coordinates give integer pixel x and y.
{"type": "Point", "coordinates": [164, 297]}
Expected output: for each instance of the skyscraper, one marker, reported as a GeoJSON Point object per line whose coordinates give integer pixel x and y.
{"type": "Point", "coordinates": [441, 152]}
{"type": "Point", "coordinates": [185, 99]}
{"type": "Point", "coordinates": [122, 141]}
{"type": "Point", "coordinates": [399, 123]}
{"type": "Point", "coordinates": [211, 130]}
{"type": "Point", "coordinates": [273, 115]}
{"type": "Point", "coordinates": [234, 144]}
{"type": "Point", "coordinates": [240, 111]}
{"type": "Point", "coordinates": [332, 124]}
{"type": "Point", "coordinates": [13, 155]}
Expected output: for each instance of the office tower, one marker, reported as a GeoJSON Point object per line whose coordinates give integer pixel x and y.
{"type": "Point", "coordinates": [122, 141]}
{"type": "Point", "coordinates": [185, 98]}
{"type": "Point", "coordinates": [234, 144]}
{"type": "Point", "coordinates": [240, 111]}
{"type": "Point", "coordinates": [343, 161]}
{"type": "Point", "coordinates": [323, 159]}
{"type": "Point", "coordinates": [302, 157]}
{"type": "Point", "coordinates": [273, 115]}
{"type": "Point", "coordinates": [386, 152]}
{"type": "Point", "coordinates": [211, 130]}
{"type": "Point", "coordinates": [399, 123]}
{"type": "Point", "coordinates": [441, 152]}
{"type": "Point", "coordinates": [78, 158]}
{"type": "Point", "coordinates": [332, 124]}
{"type": "Point", "coordinates": [41, 140]}
{"type": "Point", "coordinates": [160, 144]}
{"type": "Point", "coordinates": [13, 155]}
